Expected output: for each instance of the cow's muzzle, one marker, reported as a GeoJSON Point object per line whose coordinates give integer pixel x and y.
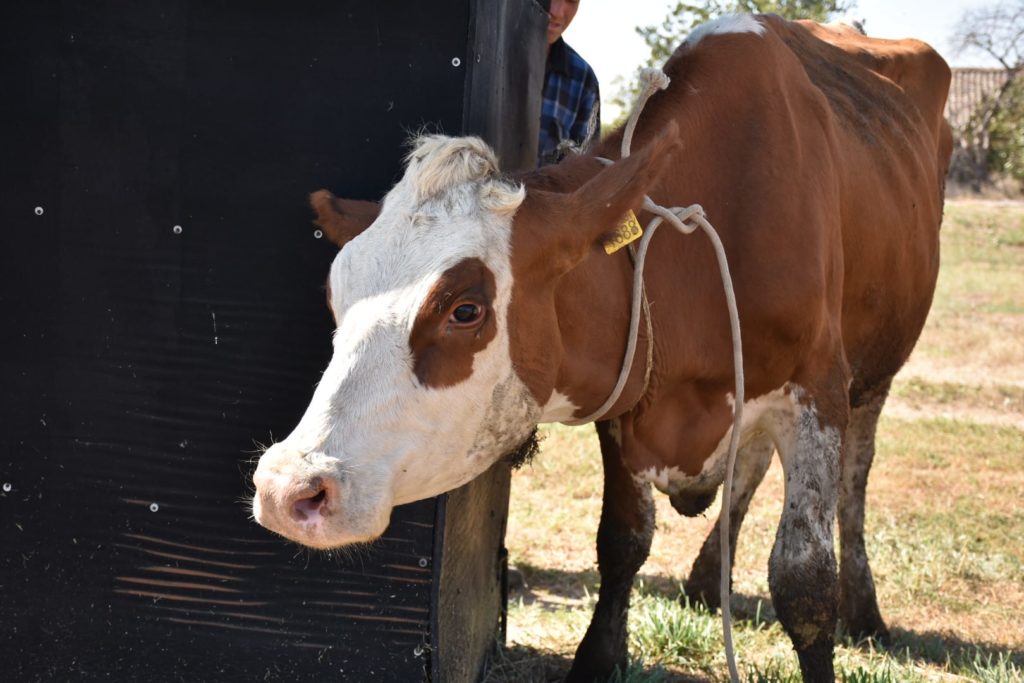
{"type": "Point", "coordinates": [309, 504]}
{"type": "Point", "coordinates": [295, 503]}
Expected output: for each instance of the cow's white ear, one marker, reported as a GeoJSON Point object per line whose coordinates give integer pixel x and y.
{"type": "Point", "coordinates": [342, 219]}
{"type": "Point", "coordinates": [563, 228]}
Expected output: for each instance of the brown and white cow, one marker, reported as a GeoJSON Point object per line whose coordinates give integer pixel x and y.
{"type": "Point", "coordinates": [471, 306]}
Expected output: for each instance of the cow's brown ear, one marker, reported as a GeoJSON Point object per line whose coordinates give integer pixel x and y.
{"type": "Point", "coordinates": [603, 201]}
{"type": "Point", "coordinates": [342, 219]}
{"type": "Point", "coordinates": [577, 222]}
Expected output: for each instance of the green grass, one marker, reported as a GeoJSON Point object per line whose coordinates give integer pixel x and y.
{"type": "Point", "coordinates": [982, 249]}
{"type": "Point", "coordinates": [976, 328]}
{"type": "Point", "coordinates": [666, 632]}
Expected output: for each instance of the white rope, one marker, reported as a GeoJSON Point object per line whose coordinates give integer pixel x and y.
{"type": "Point", "coordinates": [686, 220]}
{"type": "Point", "coordinates": [653, 81]}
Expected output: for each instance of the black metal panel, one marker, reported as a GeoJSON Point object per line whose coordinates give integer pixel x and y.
{"type": "Point", "coordinates": [508, 40]}
{"type": "Point", "coordinates": [139, 359]}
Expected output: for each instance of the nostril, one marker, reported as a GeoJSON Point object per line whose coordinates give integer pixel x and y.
{"type": "Point", "coordinates": [311, 507]}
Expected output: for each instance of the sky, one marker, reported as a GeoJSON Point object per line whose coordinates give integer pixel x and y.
{"type": "Point", "coordinates": [603, 32]}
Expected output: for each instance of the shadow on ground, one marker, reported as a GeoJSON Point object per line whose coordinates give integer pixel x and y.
{"type": "Point", "coordinates": [558, 589]}
{"type": "Point", "coordinates": [523, 664]}
{"type": "Point", "coordinates": [539, 585]}
{"type": "Point", "coordinates": [938, 648]}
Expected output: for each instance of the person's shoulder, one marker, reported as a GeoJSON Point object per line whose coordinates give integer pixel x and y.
{"type": "Point", "coordinates": [576, 62]}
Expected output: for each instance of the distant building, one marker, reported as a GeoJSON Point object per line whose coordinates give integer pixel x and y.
{"type": "Point", "coordinates": [969, 88]}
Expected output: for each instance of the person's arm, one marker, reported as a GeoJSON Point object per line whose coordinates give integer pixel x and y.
{"type": "Point", "coordinates": [587, 126]}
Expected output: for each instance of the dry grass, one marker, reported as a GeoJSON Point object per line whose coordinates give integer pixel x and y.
{"type": "Point", "coordinates": [945, 519]}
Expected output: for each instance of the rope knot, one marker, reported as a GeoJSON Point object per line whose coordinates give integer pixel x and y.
{"type": "Point", "coordinates": [651, 81]}
{"type": "Point", "coordinates": [653, 78]}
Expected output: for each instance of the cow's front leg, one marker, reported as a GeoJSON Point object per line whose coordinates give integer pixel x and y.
{"type": "Point", "coordinates": [802, 568]}
{"type": "Point", "coordinates": [704, 582]}
{"type": "Point", "coordinates": [623, 542]}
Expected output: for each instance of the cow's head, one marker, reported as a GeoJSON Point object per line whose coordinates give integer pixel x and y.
{"type": "Point", "coordinates": [421, 394]}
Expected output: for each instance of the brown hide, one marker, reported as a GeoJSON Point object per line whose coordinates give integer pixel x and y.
{"type": "Point", "coordinates": [442, 349]}
{"type": "Point", "coordinates": [823, 178]}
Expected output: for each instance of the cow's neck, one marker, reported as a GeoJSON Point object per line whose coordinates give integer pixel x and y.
{"type": "Point", "coordinates": [592, 304]}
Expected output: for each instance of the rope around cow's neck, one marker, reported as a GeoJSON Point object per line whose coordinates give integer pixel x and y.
{"type": "Point", "coordinates": [686, 220]}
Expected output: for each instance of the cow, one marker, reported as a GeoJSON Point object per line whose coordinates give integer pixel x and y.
{"type": "Point", "coordinates": [472, 306]}
{"type": "Point", "coordinates": [899, 61]}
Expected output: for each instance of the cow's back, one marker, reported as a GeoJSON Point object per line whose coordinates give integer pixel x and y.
{"type": "Point", "coordinates": [911, 64]}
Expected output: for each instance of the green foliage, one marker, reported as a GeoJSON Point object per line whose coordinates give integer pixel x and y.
{"type": "Point", "coordinates": [1006, 137]}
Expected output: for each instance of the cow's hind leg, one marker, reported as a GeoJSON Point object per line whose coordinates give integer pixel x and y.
{"type": "Point", "coordinates": [623, 542]}
{"type": "Point", "coordinates": [802, 568]}
{"type": "Point", "coordinates": [858, 605]}
{"type": "Point", "coordinates": [704, 581]}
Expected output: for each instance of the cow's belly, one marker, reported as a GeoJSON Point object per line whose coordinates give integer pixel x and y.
{"type": "Point", "coordinates": [767, 415]}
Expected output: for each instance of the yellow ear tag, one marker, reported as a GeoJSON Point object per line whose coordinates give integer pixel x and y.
{"type": "Point", "coordinates": [629, 230]}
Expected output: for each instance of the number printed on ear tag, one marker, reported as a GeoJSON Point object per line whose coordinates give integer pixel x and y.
{"type": "Point", "coordinates": [628, 231]}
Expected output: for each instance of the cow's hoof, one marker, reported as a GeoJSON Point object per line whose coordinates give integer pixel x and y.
{"type": "Point", "coordinates": [862, 626]}
{"type": "Point", "coordinates": [703, 585]}
{"type": "Point", "coordinates": [591, 672]}
{"type": "Point", "coordinates": [816, 663]}
{"type": "Point", "coordinates": [596, 660]}
{"type": "Point", "coordinates": [700, 593]}
{"type": "Point", "coordinates": [859, 617]}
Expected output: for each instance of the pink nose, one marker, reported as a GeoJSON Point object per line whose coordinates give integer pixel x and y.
{"type": "Point", "coordinates": [306, 507]}
{"type": "Point", "coordinates": [294, 500]}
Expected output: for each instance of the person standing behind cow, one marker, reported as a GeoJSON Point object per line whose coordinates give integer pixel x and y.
{"type": "Point", "coordinates": [571, 109]}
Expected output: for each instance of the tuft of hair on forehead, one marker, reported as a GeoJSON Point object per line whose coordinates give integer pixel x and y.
{"type": "Point", "coordinates": [438, 164]}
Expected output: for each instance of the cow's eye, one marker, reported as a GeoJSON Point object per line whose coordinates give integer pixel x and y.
{"type": "Point", "coordinates": [467, 313]}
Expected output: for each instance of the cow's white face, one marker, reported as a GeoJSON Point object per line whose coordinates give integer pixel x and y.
{"type": "Point", "coordinates": [420, 395]}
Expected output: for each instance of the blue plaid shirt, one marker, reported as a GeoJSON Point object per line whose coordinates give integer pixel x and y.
{"type": "Point", "coordinates": [571, 100]}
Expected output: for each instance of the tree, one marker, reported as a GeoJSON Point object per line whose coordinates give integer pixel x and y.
{"type": "Point", "coordinates": [685, 16]}
{"type": "Point", "coordinates": [1006, 140]}
{"type": "Point", "coordinates": [995, 31]}
{"type": "Point", "coordinates": [991, 139]}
